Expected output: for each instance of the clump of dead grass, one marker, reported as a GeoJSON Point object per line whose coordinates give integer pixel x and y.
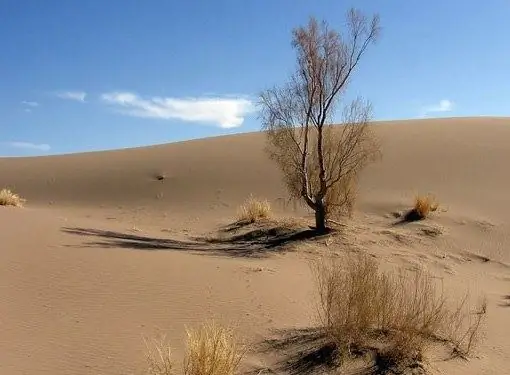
{"type": "Point", "coordinates": [210, 350]}
{"type": "Point", "coordinates": [159, 357]}
{"type": "Point", "coordinates": [253, 210]}
{"type": "Point", "coordinates": [9, 198]}
{"type": "Point", "coordinates": [466, 328]}
{"type": "Point", "coordinates": [363, 307]}
{"type": "Point", "coordinates": [424, 205]}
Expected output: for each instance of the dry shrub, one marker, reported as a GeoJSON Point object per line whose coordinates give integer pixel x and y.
{"type": "Point", "coordinates": [466, 327]}
{"type": "Point", "coordinates": [212, 350]}
{"type": "Point", "coordinates": [360, 304]}
{"type": "Point", "coordinates": [159, 357]}
{"type": "Point", "coordinates": [424, 205]}
{"type": "Point", "coordinates": [9, 198]}
{"type": "Point", "coordinates": [404, 350]}
{"type": "Point", "coordinates": [254, 210]}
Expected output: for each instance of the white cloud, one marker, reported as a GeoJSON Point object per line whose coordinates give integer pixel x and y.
{"type": "Point", "coordinates": [29, 146]}
{"type": "Point", "coordinates": [78, 96]}
{"type": "Point", "coordinates": [30, 104]}
{"type": "Point", "coordinates": [226, 112]}
{"type": "Point", "coordinates": [444, 105]}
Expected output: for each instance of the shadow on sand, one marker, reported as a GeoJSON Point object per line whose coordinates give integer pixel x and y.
{"type": "Point", "coordinates": [303, 351]}
{"type": "Point", "coordinates": [238, 240]}
{"type": "Point", "coordinates": [308, 351]}
{"type": "Point", "coordinates": [409, 216]}
{"type": "Point", "coordinates": [506, 302]}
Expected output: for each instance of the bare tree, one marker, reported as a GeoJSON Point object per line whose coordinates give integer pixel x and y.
{"type": "Point", "coordinates": [321, 162]}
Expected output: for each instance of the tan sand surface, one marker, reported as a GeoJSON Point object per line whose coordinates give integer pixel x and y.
{"type": "Point", "coordinates": [105, 252]}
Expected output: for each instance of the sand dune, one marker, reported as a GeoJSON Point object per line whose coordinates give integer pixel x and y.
{"type": "Point", "coordinates": [104, 250]}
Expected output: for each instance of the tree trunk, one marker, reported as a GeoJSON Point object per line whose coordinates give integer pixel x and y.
{"type": "Point", "coordinates": [320, 218]}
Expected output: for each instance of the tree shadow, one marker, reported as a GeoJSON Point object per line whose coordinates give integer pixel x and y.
{"type": "Point", "coordinates": [251, 242]}
{"type": "Point", "coordinates": [267, 237]}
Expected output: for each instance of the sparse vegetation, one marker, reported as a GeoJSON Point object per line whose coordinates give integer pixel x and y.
{"type": "Point", "coordinates": [210, 350]}
{"type": "Point", "coordinates": [466, 329]}
{"type": "Point", "coordinates": [159, 357]}
{"type": "Point", "coordinates": [253, 210]}
{"type": "Point", "coordinates": [9, 198]}
{"type": "Point", "coordinates": [362, 307]}
{"type": "Point", "coordinates": [424, 205]}
{"type": "Point", "coordinates": [321, 162]}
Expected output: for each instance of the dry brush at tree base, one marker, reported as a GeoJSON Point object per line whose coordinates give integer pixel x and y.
{"type": "Point", "coordinates": [9, 198]}
{"type": "Point", "coordinates": [362, 307]}
{"type": "Point", "coordinates": [210, 350]}
{"type": "Point", "coordinates": [321, 162]}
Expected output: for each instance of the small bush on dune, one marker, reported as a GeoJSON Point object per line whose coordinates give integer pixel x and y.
{"type": "Point", "coordinates": [210, 350]}
{"type": "Point", "coordinates": [363, 307]}
{"type": "Point", "coordinates": [254, 210]}
{"type": "Point", "coordinates": [9, 198]}
{"type": "Point", "coordinates": [424, 205]}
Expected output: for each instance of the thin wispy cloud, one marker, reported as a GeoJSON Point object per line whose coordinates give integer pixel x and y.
{"type": "Point", "coordinates": [29, 146]}
{"type": "Point", "coordinates": [28, 105]}
{"type": "Point", "coordinates": [444, 105]}
{"type": "Point", "coordinates": [78, 96]}
{"type": "Point", "coordinates": [225, 112]}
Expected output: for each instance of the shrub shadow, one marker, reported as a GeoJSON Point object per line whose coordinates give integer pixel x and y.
{"type": "Point", "coordinates": [409, 216]}
{"type": "Point", "coordinates": [305, 351]}
{"type": "Point", "coordinates": [308, 351]}
{"type": "Point", "coordinates": [507, 301]}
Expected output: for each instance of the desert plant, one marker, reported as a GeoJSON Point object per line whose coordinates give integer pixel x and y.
{"type": "Point", "coordinates": [424, 205]}
{"type": "Point", "coordinates": [253, 210]}
{"type": "Point", "coordinates": [466, 327]}
{"type": "Point", "coordinates": [9, 198]}
{"type": "Point", "coordinates": [358, 303]}
{"type": "Point", "coordinates": [212, 350]}
{"type": "Point", "coordinates": [159, 357]}
{"type": "Point", "coordinates": [404, 350]}
{"type": "Point", "coordinates": [320, 162]}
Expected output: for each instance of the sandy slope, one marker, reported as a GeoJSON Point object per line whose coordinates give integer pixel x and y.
{"type": "Point", "coordinates": [77, 293]}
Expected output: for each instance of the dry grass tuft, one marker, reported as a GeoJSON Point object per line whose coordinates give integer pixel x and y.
{"type": "Point", "coordinates": [212, 350]}
{"type": "Point", "coordinates": [254, 210]}
{"type": "Point", "coordinates": [363, 307]}
{"type": "Point", "coordinates": [424, 205]}
{"type": "Point", "coordinates": [466, 328]}
{"type": "Point", "coordinates": [9, 198]}
{"type": "Point", "coordinates": [159, 357]}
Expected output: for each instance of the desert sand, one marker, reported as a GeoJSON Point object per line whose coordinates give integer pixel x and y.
{"type": "Point", "coordinates": [112, 246]}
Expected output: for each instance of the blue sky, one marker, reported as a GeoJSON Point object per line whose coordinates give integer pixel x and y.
{"type": "Point", "coordinates": [102, 74]}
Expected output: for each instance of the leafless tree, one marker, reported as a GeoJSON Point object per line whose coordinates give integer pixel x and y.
{"type": "Point", "coordinates": [321, 162]}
